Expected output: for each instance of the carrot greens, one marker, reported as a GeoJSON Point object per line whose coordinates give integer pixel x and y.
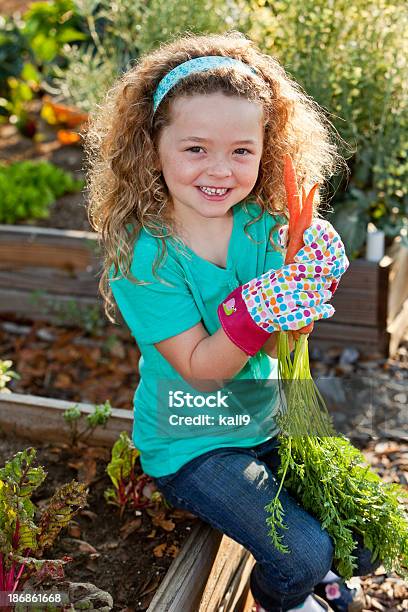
{"type": "Point", "coordinates": [321, 468]}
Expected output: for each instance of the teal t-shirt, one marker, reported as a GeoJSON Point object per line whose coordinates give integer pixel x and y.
{"type": "Point", "coordinates": [192, 291]}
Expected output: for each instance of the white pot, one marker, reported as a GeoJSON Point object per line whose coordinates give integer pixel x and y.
{"type": "Point", "coordinates": [375, 243]}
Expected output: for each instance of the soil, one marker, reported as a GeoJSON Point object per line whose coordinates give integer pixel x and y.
{"type": "Point", "coordinates": [126, 557]}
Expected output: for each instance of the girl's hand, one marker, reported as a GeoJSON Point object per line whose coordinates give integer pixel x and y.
{"type": "Point", "coordinates": [321, 244]}
{"type": "Point", "coordinates": [270, 347]}
{"type": "Point", "coordinates": [289, 298]}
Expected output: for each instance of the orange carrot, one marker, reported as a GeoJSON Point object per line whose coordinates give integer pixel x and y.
{"type": "Point", "coordinates": [292, 195]}
{"type": "Point", "coordinates": [299, 220]}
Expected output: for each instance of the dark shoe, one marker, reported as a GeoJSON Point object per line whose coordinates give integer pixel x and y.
{"type": "Point", "coordinates": [340, 596]}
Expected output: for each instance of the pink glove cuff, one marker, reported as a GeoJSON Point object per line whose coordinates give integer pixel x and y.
{"type": "Point", "coordinates": [239, 325]}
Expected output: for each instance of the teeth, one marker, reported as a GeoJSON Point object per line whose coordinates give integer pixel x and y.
{"type": "Point", "coordinates": [213, 190]}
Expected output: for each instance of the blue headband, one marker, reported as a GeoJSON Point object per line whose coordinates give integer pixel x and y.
{"type": "Point", "coordinates": [198, 64]}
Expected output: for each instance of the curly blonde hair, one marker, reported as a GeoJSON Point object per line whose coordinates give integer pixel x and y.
{"type": "Point", "coordinates": [127, 190]}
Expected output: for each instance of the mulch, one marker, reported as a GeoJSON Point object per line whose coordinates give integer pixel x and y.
{"type": "Point", "coordinates": [66, 363]}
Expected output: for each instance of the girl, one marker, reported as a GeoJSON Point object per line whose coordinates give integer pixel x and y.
{"type": "Point", "coordinates": [186, 162]}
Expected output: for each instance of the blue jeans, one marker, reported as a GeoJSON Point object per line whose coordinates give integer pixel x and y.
{"type": "Point", "coordinates": [229, 488]}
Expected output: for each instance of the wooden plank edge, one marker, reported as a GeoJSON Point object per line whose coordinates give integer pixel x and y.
{"type": "Point", "coordinates": [80, 283]}
{"type": "Point", "coordinates": [238, 589]}
{"type": "Point", "coordinates": [45, 306]}
{"type": "Point", "coordinates": [185, 580]}
{"type": "Point", "coordinates": [41, 419]}
{"type": "Point", "coordinates": [249, 602]}
{"type": "Point", "coordinates": [46, 232]}
{"type": "Point", "coordinates": [397, 328]}
{"type": "Point", "coordinates": [226, 563]}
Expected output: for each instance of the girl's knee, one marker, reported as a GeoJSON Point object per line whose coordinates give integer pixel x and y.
{"type": "Point", "coordinates": [303, 567]}
{"type": "Point", "coordinates": [317, 559]}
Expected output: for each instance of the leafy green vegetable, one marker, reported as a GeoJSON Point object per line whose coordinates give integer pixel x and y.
{"type": "Point", "coordinates": [28, 188]}
{"type": "Point", "coordinates": [22, 540]}
{"type": "Point", "coordinates": [128, 488]}
{"type": "Point", "coordinates": [332, 480]}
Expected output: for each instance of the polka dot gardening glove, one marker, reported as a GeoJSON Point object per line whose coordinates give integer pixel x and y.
{"type": "Point", "coordinates": [289, 298]}
{"type": "Point", "coordinates": [286, 299]}
{"type": "Point", "coordinates": [321, 243]}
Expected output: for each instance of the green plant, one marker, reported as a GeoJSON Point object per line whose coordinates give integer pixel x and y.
{"type": "Point", "coordinates": [29, 45]}
{"type": "Point", "coordinates": [6, 374]}
{"type": "Point", "coordinates": [98, 418]}
{"type": "Point", "coordinates": [123, 30]}
{"type": "Point", "coordinates": [71, 312]}
{"type": "Point", "coordinates": [331, 479]}
{"type": "Point", "coordinates": [128, 488]}
{"type": "Point", "coordinates": [15, 57]}
{"type": "Point", "coordinates": [21, 91]}
{"type": "Point", "coordinates": [14, 51]}
{"type": "Point", "coordinates": [48, 26]}
{"type": "Point", "coordinates": [28, 188]}
{"type": "Point", "coordinates": [23, 534]}
{"type": "Point", "coordinates": [352, 59]}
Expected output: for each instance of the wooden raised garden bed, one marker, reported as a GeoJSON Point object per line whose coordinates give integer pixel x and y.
{"type": "Point", "coordinates": [204, 575]}
{"type": "Point", "coordinates": [40, 268]}
{"type": "Point", "coordinates": [371, 306]}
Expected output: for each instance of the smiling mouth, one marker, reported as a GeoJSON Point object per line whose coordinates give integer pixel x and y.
{"type": "Point", "coordinates": [214, 191]}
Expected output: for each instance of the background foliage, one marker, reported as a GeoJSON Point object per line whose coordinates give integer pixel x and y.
{"type": "Point", "coordinates": [353, 59]}
{"type": "Point", "coordinates": [350, 57]}
{"type": "Point", "coordinates": [124, 29]}
{"type": "Point", "coordinates": [28, 188]}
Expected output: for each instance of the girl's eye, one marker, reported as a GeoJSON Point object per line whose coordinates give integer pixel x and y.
{"type": "Point", "coordinates": [194, 149]}
{"type": "Point", "coordinates": [241, 152]}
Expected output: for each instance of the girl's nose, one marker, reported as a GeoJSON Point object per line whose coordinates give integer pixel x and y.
{"type": "Point", "coordinates": [219, 169]}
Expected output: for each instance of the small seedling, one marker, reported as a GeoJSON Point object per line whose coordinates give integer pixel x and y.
{"type": "Point", "coordinates": [98, 418]}
{"type": "Point", "coordinates": [129, 489]}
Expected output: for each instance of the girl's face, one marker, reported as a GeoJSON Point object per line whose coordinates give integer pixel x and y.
{"type": "Point", "coordinates": [213, 142]}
